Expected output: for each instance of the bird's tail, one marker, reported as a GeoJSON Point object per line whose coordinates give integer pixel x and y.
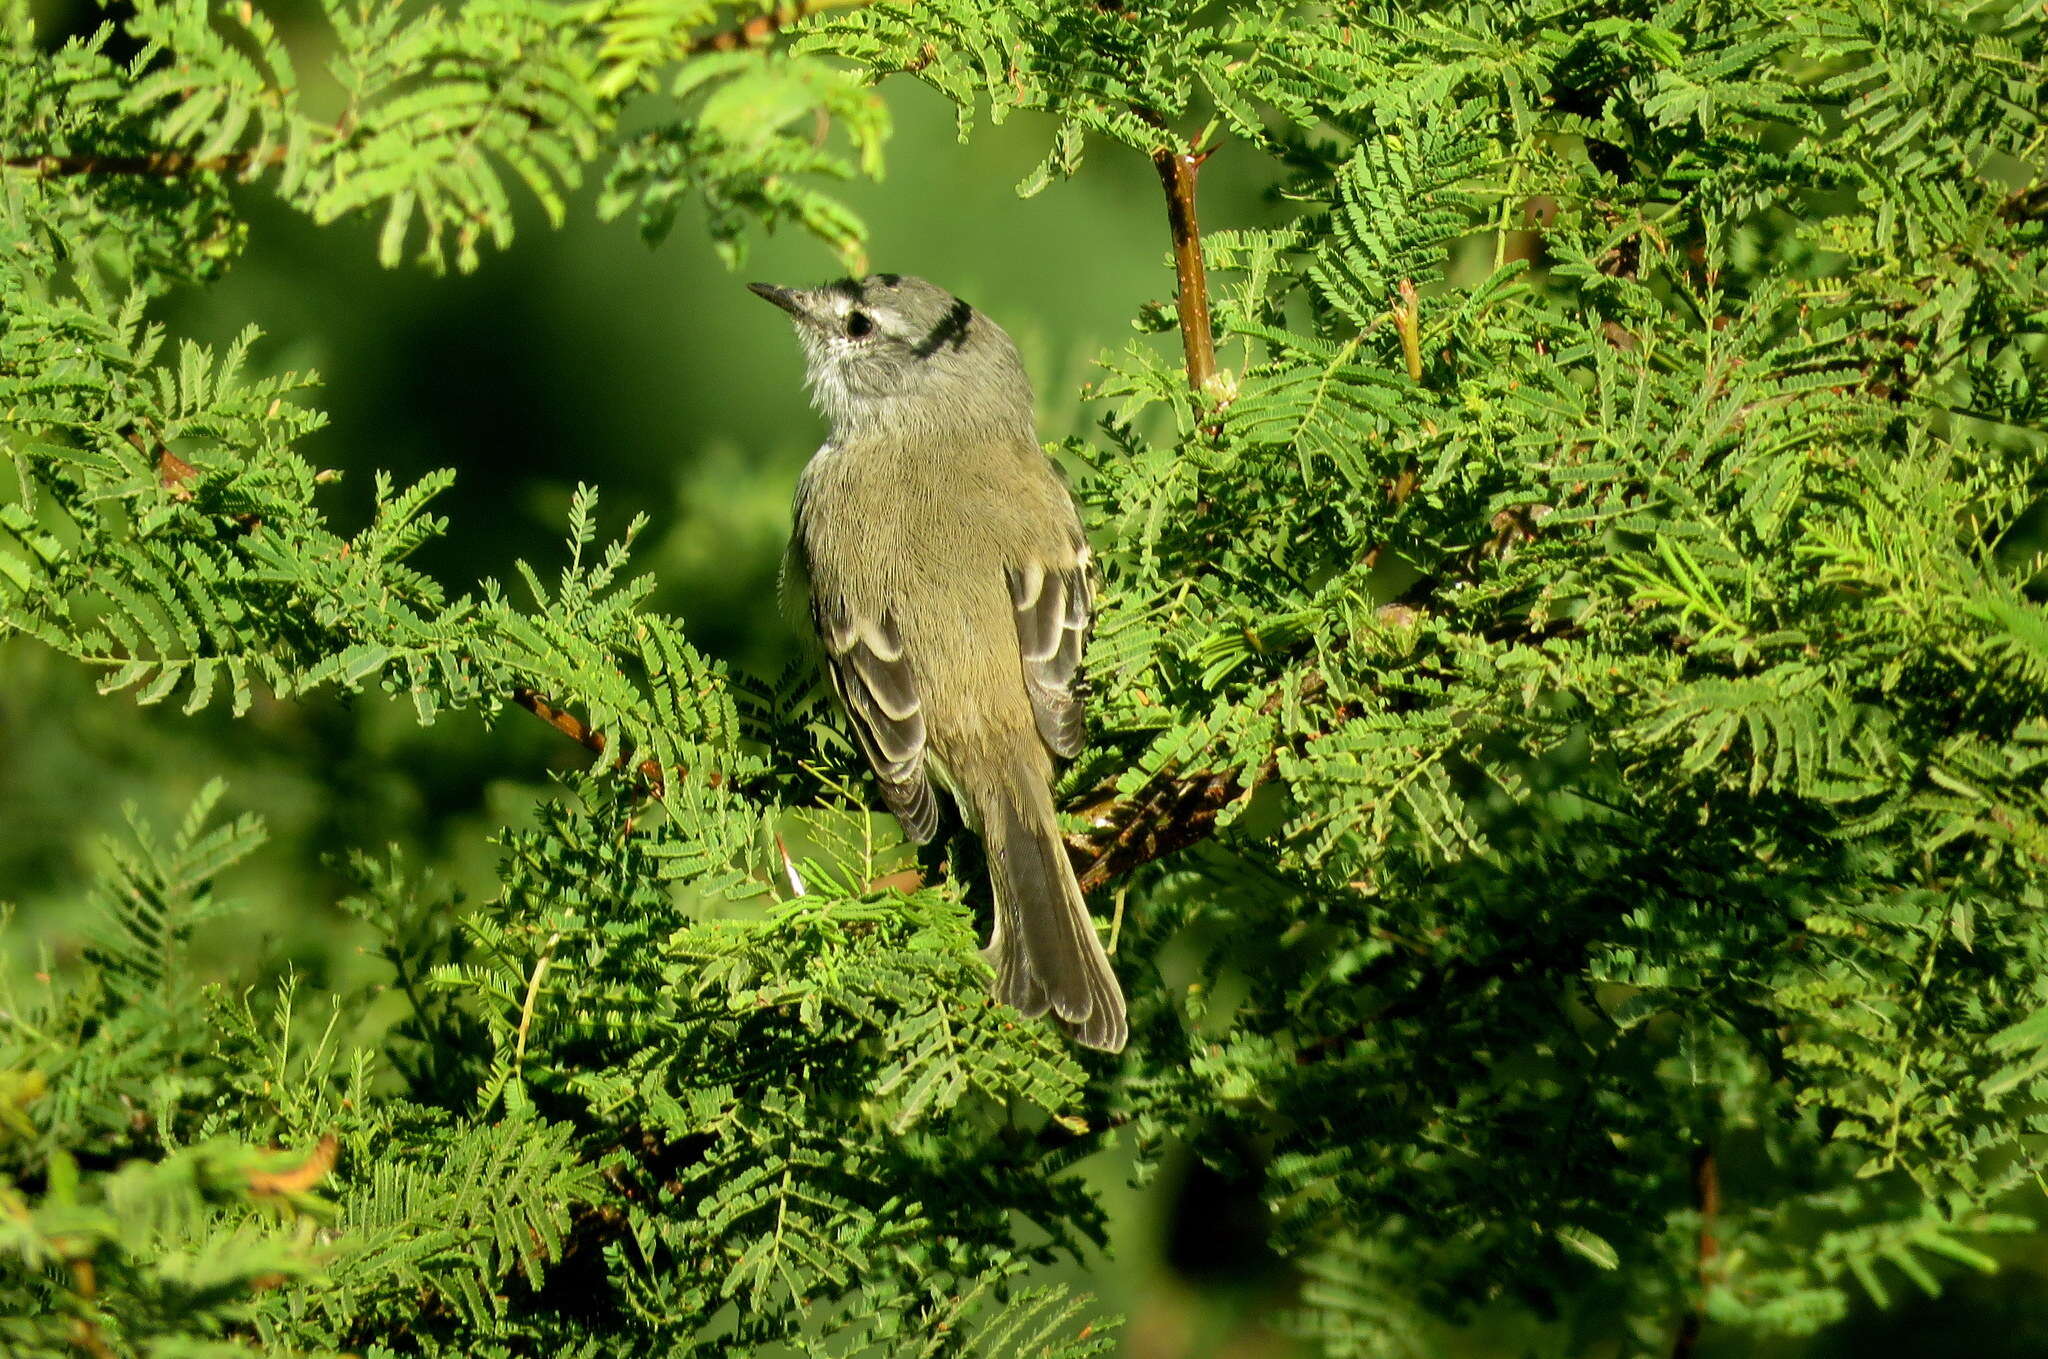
{"type": "Point", "coordinates": [1044, 948]}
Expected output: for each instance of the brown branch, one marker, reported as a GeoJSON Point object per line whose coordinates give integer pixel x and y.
{"type": "Point", "coordinates": [1169, 817]}
{"type": "Point", "coordinates": [154, 164]}
{"type": "Point", "coordinates": [85, 1334]}
{"type": "Point", "coordinates": [1177, 171]}
{"type": "Point", "coordinates": [1174, 811]}
{"type": "Point", "coordinates": [317, 1165]}
{"type": "Point", "coordinates": [575, 729]}
{"type": "Point", "coordinates": [173, 473]}
{"type": "Point", "coordinates": [1706, 1186]}
{"type": "Point", "coordinates": [764, 27]}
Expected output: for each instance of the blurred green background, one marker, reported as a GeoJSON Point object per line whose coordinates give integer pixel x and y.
{"type": "Point", "coordinates": [580, 355]}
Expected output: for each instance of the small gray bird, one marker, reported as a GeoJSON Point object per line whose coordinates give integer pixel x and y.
{"type": "Point", "coordinates": [953, 593]}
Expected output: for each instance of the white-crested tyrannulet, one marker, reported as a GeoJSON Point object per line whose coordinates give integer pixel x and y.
{"type": "Point", "coordinates": [952, 589]}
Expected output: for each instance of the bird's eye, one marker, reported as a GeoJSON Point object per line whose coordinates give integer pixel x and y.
{"type": "Point", "coordinates": [859, 325]}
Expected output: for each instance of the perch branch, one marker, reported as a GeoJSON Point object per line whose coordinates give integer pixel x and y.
{"type": "Point", "coordinates": [1174, 811]}
{"type": "Point", "coordinates": [1167, 817]}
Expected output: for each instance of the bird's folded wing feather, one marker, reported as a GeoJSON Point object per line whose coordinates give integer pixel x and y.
{"type": "Point", "coordinates": [1054, 608]}
{"type": "Point", "coordinates": [878, 687]}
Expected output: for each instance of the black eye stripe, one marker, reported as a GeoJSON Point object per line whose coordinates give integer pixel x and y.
{"type": "Point", "coordinates": [951, 330]}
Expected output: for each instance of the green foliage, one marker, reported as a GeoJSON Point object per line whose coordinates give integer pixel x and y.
{"type": "Point", "coordinates": [163, 1254]}
{"type": "Point", "coordinates": [442, 116]}
{"type": "Point", "coordinates": [1596, 601]}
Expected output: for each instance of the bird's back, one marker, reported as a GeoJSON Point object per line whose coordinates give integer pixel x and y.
{"type": "Point", "coordinates": [901, 556]}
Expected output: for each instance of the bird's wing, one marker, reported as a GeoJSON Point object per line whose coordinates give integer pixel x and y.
{"type": "Point", "coordinates": [1054, 609]}
{"type": "Point", "coordinates": [875, 682]}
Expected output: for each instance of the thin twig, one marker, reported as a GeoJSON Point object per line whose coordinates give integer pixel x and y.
{"type": "Point", "coordinates": [1178, 169]}
{"type": "Point", "coordinates": [540, 970]}
{"type": "Point", "coordinates": [1706, 1186]}
{"type": "Point", "coordinates": [578, 731]}
{"type": "Point", "coordinates": [150, 164]}
{"type": "Point", "coordinates": [85, 1334]}
{"type": "Point", "coordinates": [1407, 313]}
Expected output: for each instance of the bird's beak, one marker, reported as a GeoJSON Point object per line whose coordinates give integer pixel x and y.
{"type": "Point", "coordinates": [785, 298]}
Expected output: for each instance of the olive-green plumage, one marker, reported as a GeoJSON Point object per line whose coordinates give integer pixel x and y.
{"type": "Point", "coordinates": [953, 592]}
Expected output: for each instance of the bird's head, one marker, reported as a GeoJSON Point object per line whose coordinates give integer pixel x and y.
{"type": "Point", "coordinates": [892, 351]}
